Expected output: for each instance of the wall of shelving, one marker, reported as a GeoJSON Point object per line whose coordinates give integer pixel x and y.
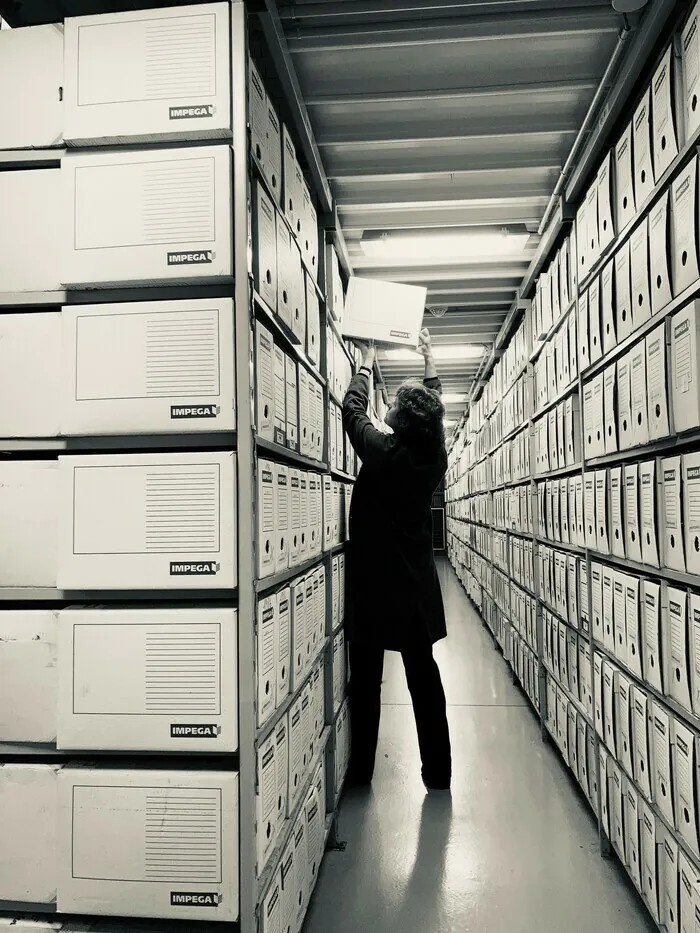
{"type": "Point", "coordinates": [572, 500]}
{"type": "Point", "coordinates": [175, 485]}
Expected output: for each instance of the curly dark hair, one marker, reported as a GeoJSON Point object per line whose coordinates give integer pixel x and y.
{"type": "Point", "coordinates": [419, 416]}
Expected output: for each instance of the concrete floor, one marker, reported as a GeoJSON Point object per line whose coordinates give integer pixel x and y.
{"type": "Point", "coordinates": [514, 850]}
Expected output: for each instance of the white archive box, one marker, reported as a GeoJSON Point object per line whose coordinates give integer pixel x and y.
{"type": "Point", "coordinates": [657, 399]}
{"type": "Point", "coordinates": [257, 110]}
{"type": "Point", "coordinates": [120, 829]}
{"type": "Point", "coordinates": [149, 75]}
{"type": "Point", "coordinates": [674, 628]}
{"type": "Point", "coordinates": [639, 705]}
{"type": "Point", "coordinates": [30, 374]}
{"type": "Point", "coordinates": [264, 382]}
{"type": "Point", "coordinates": [690, 59]}
{"type": "Point", "coordinates": [127, 221]}
{"type": "Point", "coordinates": [684, 227]}
{"type": "Point", "coordinates": [28, 829]}
{"type": "Point", "coordinates": [685, 754]}
{"type": "Point", "coordinates": [691, 511]}
{"type": "Point", "coordinates": [650, 859]}
{"type": "Point", "coordinates": [148, 679]}
{"type": "Point", "coordinates": [31, 211]}
{"type": "Point", "coordinates": [665, 147]}
{"type": "Point", "coordinates": [29, 518]}
{"type": "Point", "coordinates": [685, 384]}
{"type": "Point", "coordinates": [639, 273]}
{"type": "Point", "coordinates": [273, 163]}
{"type": "Point", "coordinates": [654, 650]}
{"type": "Point", "coordinates": [31, 63]}
{"type": "Point", "coordinates": [148, 367]}
{"type": "Point", "coordinates": [266, 530]}
{"type": "Point", "coordinates": [623, 292]}
{"type": "Point", "coordinates": [624, 179]}
{"type": "Point", "coordinates": [282, 507]}
{"type": "Point", "coordinates": [606, 228]}
{"type": "Point", "coordinates": [660, 726]}
{"type": "Point", "coordinates": [668, 852]}
{"type": "Point", "coordinates": [659, 265]}
{"type": "Point", "coordinates": [280, 409]}
{"type": "Point", "coordinates": [643, 162]}
{"type": "Point", "coordinates": [28, 675]}
{"type": "Point", "coordinates": [151, 521]}
{"type": "Point", "coordinates": [264, 232]}
{"type": "Point", "coordinates": [265, 801]}
{"type": "Point", "coordinates": [673, 552]}
{"type": "Point", "coordinates": [266, 660]}
{"type": "Point", "coordinates": [386, 312]}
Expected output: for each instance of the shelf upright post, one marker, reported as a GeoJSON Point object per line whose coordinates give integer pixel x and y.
{"type": "Point", "coordinates": [246, 484]}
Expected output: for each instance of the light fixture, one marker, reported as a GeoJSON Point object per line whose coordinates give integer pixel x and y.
{"type": "Point", "coordinates": [450, 398]}
{"type": "Point", "coordinates": [460, 351]}
{"type": "Point", "coordinates": [447, 244]}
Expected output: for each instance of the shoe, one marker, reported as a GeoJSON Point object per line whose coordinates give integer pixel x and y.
{"type": "Point", "coordinates": [435, 783]}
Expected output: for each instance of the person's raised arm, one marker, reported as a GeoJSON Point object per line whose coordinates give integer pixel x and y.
{"type": "Point", "coordinates": [366, 440]}
{"type": "Point", "coordinates": [425, 348]}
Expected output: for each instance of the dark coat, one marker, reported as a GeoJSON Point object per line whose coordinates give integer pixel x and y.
{"type": "Point", "coordinates": [393, 592]}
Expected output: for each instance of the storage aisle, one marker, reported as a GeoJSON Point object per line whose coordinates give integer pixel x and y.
{"type": "Point", "coordinates": [516, 848]}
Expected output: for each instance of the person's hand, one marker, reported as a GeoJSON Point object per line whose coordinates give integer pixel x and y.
{"type": "Point", "coordinates": [425, 347]}
{"type": "Point", "coordinates": [369, 355]}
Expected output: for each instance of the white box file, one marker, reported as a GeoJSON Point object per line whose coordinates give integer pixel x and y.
{"type": "Point", "coordinates": [131, 521]}
{"type": "Point", "coordinates": [298, 627]}
{"type": "Point", "coordinates": [657, 399]}
{"type": "Point", "coordinates": [297, 288]}
{"type": "Point", "coordinates": [284, 644]}
{"type": "Point", "coordinates": [31, 211]}
{"type": "Point", "coordinates": [285, 285]}
{"type": "Point", "coordinates": [280, 417]}
{"type": "Point", "coordinates": [273, 165]}
{"type": "Point", "coordinates": [313, 322]}
{"type": "Point", "coordinates": [148, 75]}
{"type": "Point", "coordinates": [661, 738]}
{"type": "Point", "coordinates": [673, 550]}
{"type": "Point", "coordinates": [674, 627]}
{"type": "Point", "coordinates": [108, 865]}
{"type": "Point", "coordinates": [654, 651]}
{"type": "Point", "coordinates": [638, 393]}
{"type": "Point", "coordinates": [266, 658]}
{"type": "Point", "coordinates": [266, 532]}
{"type": "Point", "coordinates": [148, 679]}
{"type": "Point", "coordinates": [30, 374]}
{"type": "Point", "coordinates": [665, 147]}
{"type": "Point", "coordinates": [623, 292]}
{"type": "Point", "coordinates": [148, 367]}
{"type": "Point", "coordinates": [28, 676]}
{"type": "Point", "coordinates": [624, 179]}
{"type": "Point", "coordinates": [685, 385]}
{"type": "Point", "coordinates": [685, 747]}
{"type": "Point", "coordinates": [290, 167]}
{"type": "Point", "coordinates": [691, 511]}
{"type": "Point", "coordinates": [684, 227]}
{"type": "Point", "coordinates": [606, 229]}
{"type": "Point", "coordinates": [669, 873]}
{"type": "Point", "coordinates": [294, 518]}
{"type": "Point", "coordinates": [292, 403]}
{"type": "Point", "coordinates": [28, 816]}
{"type": "Point", "coordinates": [650, 859]}
{"type": "Point", "coordinates": [282, 757]}
{"type": "Point", "coordinates": [127, 221]}
{"type": "Point", "coordinates": [257, 110]}
{"type": "Point", "coordinates": [388, 313]}
{"type": "Point", "coordinates": [690, 61]}
{"type": "Point", "coordinates": [31, 63]}
{"type": "Point", "coordinates": [659, 266]}
{"type": "Point", "coordinates": [607, 300]}
{"type": "Point", "coordinates": [282, 516]}
{"type": "Point", "coordinates": [29, 518]}
{"type": "Point", "coordinates": [265, 802]}
{"type": "Point", "coordinates": [264, 382]}
{"type": "Point", "coordinates": [643, 163]}
{"type": "Point", "coordinates": [639, 273]}
{"type": "Point", "coordinates": [264, 231]}
{"type": "Point", "coordinates": [640, 727]}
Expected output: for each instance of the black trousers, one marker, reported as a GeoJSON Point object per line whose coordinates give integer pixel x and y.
{"type": "Point", "coordinates": [429, 708]}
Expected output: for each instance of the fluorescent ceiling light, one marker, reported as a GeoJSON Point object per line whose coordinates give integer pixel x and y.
{"type": "Point", "coordinates": [453, 399]}
{"type": "Point", "coordinates": [462, 351]}
{"type": "Point", "coordinates": [456, 244]}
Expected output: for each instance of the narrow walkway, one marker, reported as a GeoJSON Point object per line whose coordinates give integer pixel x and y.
{"type": "Point", "coordinates": [516, 849]}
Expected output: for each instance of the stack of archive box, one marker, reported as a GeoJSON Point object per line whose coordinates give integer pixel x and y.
{"type": "Point", "coordinates": [173, 714]}
{"type": "Point", "coordinates": [606, 552]}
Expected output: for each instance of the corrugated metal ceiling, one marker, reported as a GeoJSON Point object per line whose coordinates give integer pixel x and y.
{"type": "Point", "coordinates": [431, 114]}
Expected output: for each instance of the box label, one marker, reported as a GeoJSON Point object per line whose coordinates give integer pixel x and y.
{"type": "Point", "coordinates": [205, 569]}
{"type": "Point", "coordinates": [191, 259]}
{"type": "Point", "coordinates": [187, 731]}
{"type": "Point", "coordinates": [189, 113]}
{"type": "Point", "coordinates": [194, 411]}
{"type": "Point", "coordinates": [194, 899]}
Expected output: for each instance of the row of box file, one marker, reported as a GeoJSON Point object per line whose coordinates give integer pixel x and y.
{"type": "Point", "coordinates": [525, 665]}
{"type": "Point", "coordinates": [560, 510]}
{"type": "Point", "coordinates": [556, 367]}
{"type": "Point", "coordinates": [284, 763]}
{"type": "Point", "coordinates": [512, 509]}
{"type": "Point", "coordinates": [285, 902]}
{"type": "Point", "coordinates": [573, 736]}
{"type": "Point", "coordinates": [557, 437]}
{"type": "Point", "coordinates": [505, 372]}
{"type": "Point", "coordinates": [645, 512]}
{"type": "Point", "coordinates": [476, 508]}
